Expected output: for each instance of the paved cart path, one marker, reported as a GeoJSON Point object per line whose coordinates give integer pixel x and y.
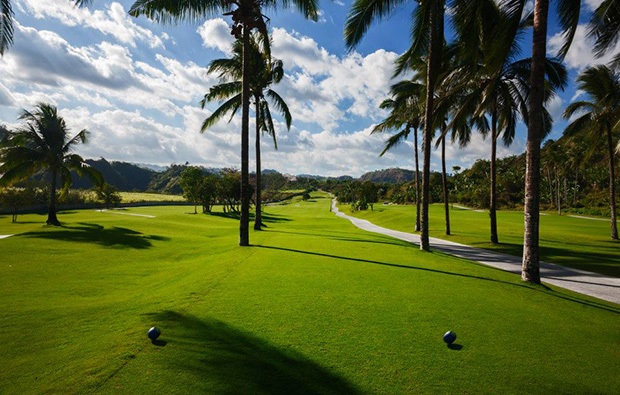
{"type": "Point", "coordinates": [587, 283]}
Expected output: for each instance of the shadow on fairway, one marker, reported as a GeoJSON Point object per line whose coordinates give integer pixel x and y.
{"type": "Point", "coordinates": [268, 218]}
{"type": "Point", "coordinates": [97, 234]}
{"type": "Point", "coordinates": [601, 260]}
{"type": "Point", "coordinates": [537, 288]}
{"type": "Point", "coordinates": [379, 239]}
{"type": "Point", "coordinates": [228, 360]}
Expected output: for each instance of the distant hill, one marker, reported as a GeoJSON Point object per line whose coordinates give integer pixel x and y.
{"type": "Point", "coordinates": [394, 175]}
{"type": "Point", "coordinates": [125, 176]}
{"type": "Point", "coordinates": [133, 177]}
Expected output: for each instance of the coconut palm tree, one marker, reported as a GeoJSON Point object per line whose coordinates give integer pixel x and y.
{"type": "Point", "coordinates": [247, 15]}
{"type": "Point", "coordinates": [44, 143]}
{"type": "Point", "coordinates": [568, 19]}
{"type": "Point", "coordinates": [428, 37]}
{"type": "Point", "coordinates": [264, 73]}
{"type": "Point", "coordinates": [495, 83]}
{"type": "Point", "coordinates": [405, 111]}
{"type": "Point", "coordinates": [599, 117]}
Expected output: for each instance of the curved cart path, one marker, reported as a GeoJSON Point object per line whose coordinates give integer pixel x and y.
{"type": "Point", "coordinates": [587, 283]}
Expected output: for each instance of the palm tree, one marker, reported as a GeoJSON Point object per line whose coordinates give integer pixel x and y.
{"type": "Point", "coordinates": [405, 110]}
{"type": "Point", "coordinates": [44, 143]}
{"type": "Point", "coordinates": [428, 37]}
{"type": "Point", "coordinates": [568, 18]}
{"type": "Point", "coordinates": [264, 73]}
{"type": "Point", "coordinates": [496, 85]}
{"type": "Point", "coordinates": [6, 25]}
{"type": "Point", "coordinates": [247, 15]}
{"type": "Point", "coordinates": [601, 115]}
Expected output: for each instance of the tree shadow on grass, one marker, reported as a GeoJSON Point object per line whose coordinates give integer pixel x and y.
{"type": "Point", "coordinates": [267, 218]}
{"type": "Point", "coordinates": [537, 288]}
{"type": "Point", "coordinates": [378, 239]}
{"type": "Point", "coordinates": [230, 361]}
{"type": "Point", "coordinates": [603, 260]}
{"type": "Point", "coordinates": [97, 234]}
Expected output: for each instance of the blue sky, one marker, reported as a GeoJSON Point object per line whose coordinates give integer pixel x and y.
{"type": "Point", "coordinates": [136, 86]}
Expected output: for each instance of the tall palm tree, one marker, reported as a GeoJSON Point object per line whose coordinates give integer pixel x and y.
{"type": "Point", "coordinates": [247, 15]}
{"type": "Point", "coordinates": [601, 115]}
{"type": "Point", "coordinates": [44, 143]}
{"type": "Point", "coordinates": [568, 18]}
{"type": "Point", "coordinates": [264, 73]}
{"type": "Point", "coordinates": [405, 111]}
{"type": "Point", "coordinates": [428, 36]}
{"type": "Point", "coordinates": [496, 84]}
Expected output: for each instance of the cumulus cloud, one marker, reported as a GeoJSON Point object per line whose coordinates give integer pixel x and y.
{"type": "Point", "coordinates": [113, 21]}
{"type": "Point", "coordinates": [215, 33]}
{"type": "Point", "coordinates": [43, 61]}
{"type": "Point", "coordinates": [141, 105]}
{"type": "Point", "coordinates": [580, 54]}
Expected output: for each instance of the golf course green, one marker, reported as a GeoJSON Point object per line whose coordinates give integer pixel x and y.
{"type": "Point", "coordinates": [575, 242]}
{"type": "Point", "coordinates": [314, 306]}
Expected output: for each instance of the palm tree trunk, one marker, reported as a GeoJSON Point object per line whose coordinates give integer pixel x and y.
{"type": "Point", "coordinates": [493, 193]}
{"type": "Point", "coordinates": [444, 183]}
{"type": "Point", "coordinates": [52, 219]}
{"type": "Point", "coordinates": [417, 180]}
{"type": "Point", "coordinates": [432, 68]}
{"type": "Point", "coordinates": [530, 270]}
{"type": "Point", "coordinates": [258, 218]}
{"type": "Point", "coordinates": [612, 185]}
{"type": "Point", "coordinates": [244, 218]}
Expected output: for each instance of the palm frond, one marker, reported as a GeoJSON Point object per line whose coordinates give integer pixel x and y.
{"type": "Point", "coordinates": [6, 25]}
{"type": "Point", "coordinates": [568, 12]}
{"type": "Point", "coordinates": [231, 105]}
{"type": "Point", "coordinates": [281, 106]}
{"type": "Point", "coordinates": [363, 13]}
{"type": "Point", "coordinates": [174, 11]}
{"type": "Point", "coordinates": [604, 26]}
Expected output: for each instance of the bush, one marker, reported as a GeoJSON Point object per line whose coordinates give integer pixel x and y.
{"type": "Point", "coordinates": [109, 195]}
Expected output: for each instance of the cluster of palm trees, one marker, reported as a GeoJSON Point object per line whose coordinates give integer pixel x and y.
{"type": "Point", "coordinates": [247, 17]}
{"type": "Point", "coordinates": [264, 72]}
{"type": "Point", "coordinates": [479, 82]}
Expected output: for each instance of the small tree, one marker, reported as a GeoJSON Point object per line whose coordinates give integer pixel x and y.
{"type": "Point", "coordinates": [207, 192]}
{"type": "Point", "coordinates": [109, 195]}
{"type": "Point", "coordinates": [190, 182]}
{"type": "Point", "coordinates": [12, 199]}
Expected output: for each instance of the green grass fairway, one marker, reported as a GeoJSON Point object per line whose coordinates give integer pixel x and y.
{"type": "Point", "coordinates": [315, 306]}
{"type": "Point", "coordinates": [575, 242]}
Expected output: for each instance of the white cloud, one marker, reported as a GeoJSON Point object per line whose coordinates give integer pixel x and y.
{"type": "Point", "coordinates": [215, 33]}
{"type": "Point", "coordinates": [321, 83]}
{"type": "Point", "coordinates": [556, 108]}
{"type": "Point", "coordinates": [580, 54]}
{"type": "Point", "coordinates": [592, 4]}
{"type": "Point", "coordinates": [114, 21]}
{"type": "Point", "coordinates": [43, 62]}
